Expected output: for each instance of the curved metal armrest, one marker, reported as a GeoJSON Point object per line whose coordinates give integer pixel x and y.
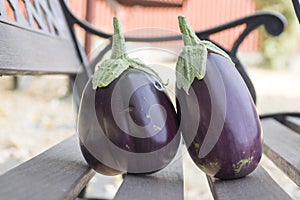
{"type": "Point", "coordinates": [93, 30]}
{"type": "Point", "coordinates": [296, 5]}
{"type": "Point", "coordinates": [73, 19]}
{"type": "Point", "coordinates": [273, 22]}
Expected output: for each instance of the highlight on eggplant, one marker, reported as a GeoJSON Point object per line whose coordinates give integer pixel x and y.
{"type": "Point", "coordinates": [126, 122]}
{"type": "Point", "coordinates": [228, 140]}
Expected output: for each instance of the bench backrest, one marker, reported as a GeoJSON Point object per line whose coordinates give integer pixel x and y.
{"type": "Point", "coordinates": [36, 39]}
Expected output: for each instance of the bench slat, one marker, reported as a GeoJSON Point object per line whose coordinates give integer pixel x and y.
{"type": "Point", "coordinates": [293, 123]}
{"type": "Point", "coordinates": [165, 184]}
{"type": "Point", "coordinates": [58, 173]}
{"type": "Point", "coordinates": [24, 51]}
{"type": "Point", "coordinates": [282, 146]}
{"type": "Point", "coordinates": [257, 185]}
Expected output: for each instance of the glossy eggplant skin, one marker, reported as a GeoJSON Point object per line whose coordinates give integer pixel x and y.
{"type": "Point", "coordinates": [129, 126]}
{"type": "Point", "coordinates": [95, 164]}
{"type": "Point", "coordinates": [228, 141]}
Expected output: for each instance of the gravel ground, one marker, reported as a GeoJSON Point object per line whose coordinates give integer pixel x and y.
{"type": "Point", "coordinates": [34, 117]}
{"type": "Point", "coordinates": [40, 114]}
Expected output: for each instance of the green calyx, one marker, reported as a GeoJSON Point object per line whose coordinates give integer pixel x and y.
{"type": "Point", "coordinates": [112, 68]}
{"type": "Point", "coordinates": [191, 62]}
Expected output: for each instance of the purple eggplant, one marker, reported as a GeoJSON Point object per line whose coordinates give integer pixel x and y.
{"type": "Point", "coordinates": [126, 123]}
{"type": "Point", "coordinates": [218, 118]}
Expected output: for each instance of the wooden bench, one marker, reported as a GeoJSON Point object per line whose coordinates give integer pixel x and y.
{"type": "Point", "coordinates": [44, 42]}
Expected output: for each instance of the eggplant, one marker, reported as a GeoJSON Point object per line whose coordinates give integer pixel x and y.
{"type": "Point", "coordinates": [218, 118]}
{"type": "Point", "coordinates": [126, 122]}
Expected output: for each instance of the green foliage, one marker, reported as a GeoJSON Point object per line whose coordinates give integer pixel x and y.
{"type": "Point", "coordinates": [276, 51]}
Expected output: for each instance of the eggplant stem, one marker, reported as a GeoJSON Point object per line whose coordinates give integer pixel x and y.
{"type": "Point", "coordinates": [188, 35]}
{"type": "Point", "coordinates": [119, 61]}
{"type": "Point", "coordinates": [118, 43]}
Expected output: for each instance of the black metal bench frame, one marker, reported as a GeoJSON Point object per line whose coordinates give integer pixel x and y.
{"type": "Point", "coordinates": [61, 172]}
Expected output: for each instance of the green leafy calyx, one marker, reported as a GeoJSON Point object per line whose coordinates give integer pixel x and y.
{"type": "Point", "coordinates": [112, 68]}
{"type": "Point", "coordinates": [191, 62]}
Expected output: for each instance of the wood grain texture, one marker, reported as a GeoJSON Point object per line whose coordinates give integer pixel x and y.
{"type": "Point", "coordinates": [257, 185]}
{"type": "Point", "coordinates": [163, 185]}
{"type": "Point", "coordinates": [23, 51]}
{"type": "Point", "coordinates": [2, 9]}
{"type": "Point", "coordinates": [282, 146]}
{"type": "Point", "coordinates": [58, 173]}
{"type": "Point", "coordinates": [293, 123]}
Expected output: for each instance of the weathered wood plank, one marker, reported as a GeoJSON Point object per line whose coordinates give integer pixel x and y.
{"type": "Point", "coordinates": [58, 173]}
{"type": "Point", "coordinates": [282, 146]}
{"type": "Point", "coordinates": [257, 185]}
{"type": "Point", "coordinates": [293, 123]}
{"type": "Point", "coordinates": [163, 185]}
{"type": "Point", "coordinates": [23, 51]}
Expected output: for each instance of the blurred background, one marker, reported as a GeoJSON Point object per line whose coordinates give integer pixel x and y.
{"type": "Point", "coordinates": [37, 112]}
